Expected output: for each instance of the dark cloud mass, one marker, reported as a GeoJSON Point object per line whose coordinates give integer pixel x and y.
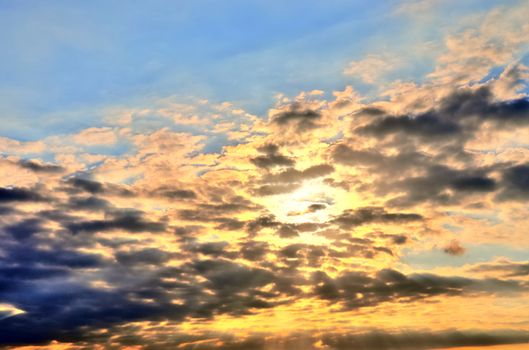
{"type": "Point", "coordinates": [40, 167]}
{"type": "Point", "coordinates": [272, 158]}
{"type": "Point", "coordinates": [131, 221]}
{"type": "Point", "coordinates": [425, 125]}
{"type": "Point", "coordinates": [515, 183]}
{"type": "Point", "coordinates": [358, 289]}
{"type": "Point", "coordinates": [352, 218]}
{"type": "Point", "coordinates": [464, 110]}
{"type": "Point", "coordinates": [422, 341]}
{"type": "Point", "coordinates": [454, 248]}
{"type": "Point", "coordinates": [303, 119]}
{"type": "Point", "coordinates": [505, 268]}
{"type": "Point", "coordinates": [19, 195]}
{"type": "Point", "coordinates": [24, 229]}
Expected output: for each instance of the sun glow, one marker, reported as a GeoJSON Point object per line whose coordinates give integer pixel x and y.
{"type": "Point", "coordinates": [312, 202]}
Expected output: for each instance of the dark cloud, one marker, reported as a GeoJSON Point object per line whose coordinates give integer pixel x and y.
{"type": "Point", "coordinates": [422, 340]}
{"type": "Point", "coordinates": [264, 221]}
{"type": "Point", "coordinates": [435, 184]}
{"type": "Point", "coordinates": [17, 194]}
{"type": "Point", "coordinates": [131, 221]}
{"type": "Point", "coordinates": [427, 125]}
{"type": "Point", "coordinates": [254, 250]}
{"type": "Point", "coordinates": [40, 167]}
{"type": "Point", "coordinates": [515, 183]}
{"type": "Point", "coordinates": [91, 203]}
{"type": "Point", "coordinates": [188, 230]}
{"type": "Point", "coordinates": [353, 340]}
{"type": "Point", "coordinates": [235, 204]}
{"type": "Point", "coordinates": [303, 119]}
{"type": "Point", "coordinates": [87, 185]}
{"type": "Point", "coordinates": [79, 184]}
{"type": "Point", "coordinates": [481, 103]}
{"type": "Point", "coordinates": [204, 216]}
{"type": "Point", "coordinates": [394, 238]}
{"type": "Point", "coordinates": [236, 288]}
{"type": "Point", "coordinates": [315, 207]}
{"type": "Point", "coordinates": [173, 193]}
{"type": "Point", "coordinates": [271, 190]}
{"type": "Point", "coordinates": [399, 239]}
{"type": "Point", "coordinates": [220, 211]}
{"type": "Point", "coordinates": [58, 257]}
{"type": "Point", "coordinates": [416, 177]}
{"type": "Point", "coordinates": [73, 310]}
{"type": "Point", "coordinates": [459, 113]}
{"type": "Point", "coordinates": [372, 111]}
{"type": "Point", "coordinates": [351, 218]}
{"type": "Point", "coordinates": [355, 289]}
{"type": "Point", "coordinates": [474, 183]}
{"type": "Point", "coordinates": [24, 229]}
{"type": "Point", "coordinates": [215, 249]}
{"type": "Point", "coordinates": [149, 256]}
{"type": "Point", "coordinates": [454, 248]}
{"type": "Point", "coordinates": [59, 314]}
{"type": "Point", "coordinates": [271, 158]}
{"type": "Point", "coordinates": [289, 180]}
{"type": "Point", "coordinates": [299, 254]}
{"type": "Point", "coordinates": [506, 268]}
{"type": "Point", "coordinates": [287, 230]}
{"type": "Point", "coordinates": [397, 165]}
{"type": "Point", "coordinates": [4, 210]}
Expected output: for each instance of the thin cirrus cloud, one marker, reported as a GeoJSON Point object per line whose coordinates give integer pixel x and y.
{"type": "Point", "coordinates": [361, 209]}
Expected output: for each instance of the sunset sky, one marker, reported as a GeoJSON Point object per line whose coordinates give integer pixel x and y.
{"type": "Point", "coordinates": [264, 175]}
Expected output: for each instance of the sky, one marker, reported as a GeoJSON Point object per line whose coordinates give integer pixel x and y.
{"type": "Point", "coordinates": [264, 175]}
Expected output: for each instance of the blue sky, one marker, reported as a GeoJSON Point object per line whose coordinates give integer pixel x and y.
{"type": "Point", "coordinates": [64, 60]}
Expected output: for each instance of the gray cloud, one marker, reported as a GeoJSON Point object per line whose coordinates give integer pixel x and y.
{"type": "Point", "coordinates": [301, 118]}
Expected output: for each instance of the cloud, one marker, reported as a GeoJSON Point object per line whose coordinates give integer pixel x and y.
{"type": "Point", "coordinates": [271, 158]}
{"type": "Point", "coordinates": [24, 229]}
{"type": "Point", "coordinates": [150, 256]}
{"type": "Point", "coordinates": [515, 181]}
{"type": "Point", "coordinates": [351, 218]}
{"type": "Point", "coordinates": [504, 267]}
{"type": "Point", "coordinates": [130, 221]}
{"type": "Point", "coordinates": [305, 216]}
{"type": "Point", "coordinates": [19, 195]}
{"type": "Point", "coordinates": [173, 193]}
{"type": "Point", "coordinates": [292, 175]}
{"type": "Point", "coordinates": [40, 167]}
{"type": "Point", "coordinates": [456, 115]}
{"type": "Point", "coordinates": [96, 136]}
{"type": "Point", "coordinates": [356, 289]}
{"type": "Point", "coordinates": [295, 115]}
{"type": "Point", "coordinates": [371, 68]}
{"type": "Point", "coordinates": [454, 248]}
{"type": "Point", "coordinates": [417, 340]}
{"type": "Point", "coordinates": [270, 190]}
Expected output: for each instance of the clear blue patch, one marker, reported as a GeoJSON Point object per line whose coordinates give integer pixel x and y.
{"type": "Point", "coordinates": [494, 73]}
